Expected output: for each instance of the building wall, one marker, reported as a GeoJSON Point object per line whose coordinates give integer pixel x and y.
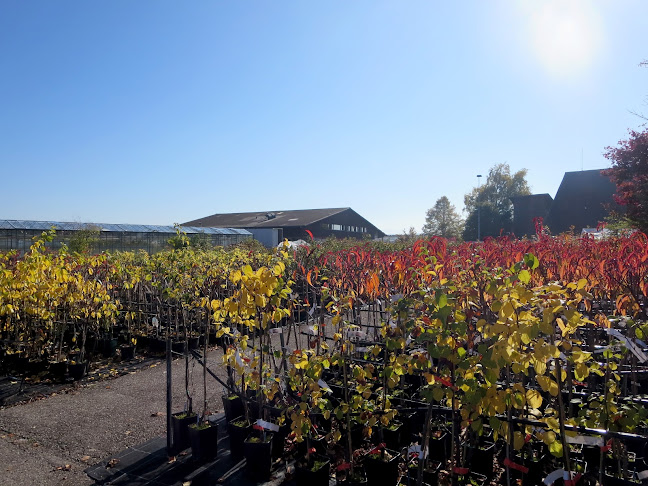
{"type": "Point", "coordinates": [583, 200]}
{"type": "Point", "coordinates": [346, 224]}
{"type": "Point", "coordinates": [526, 209]}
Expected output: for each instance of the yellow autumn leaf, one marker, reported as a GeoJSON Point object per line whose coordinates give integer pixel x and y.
{"type": "Point", "coordinates": [534, 398]}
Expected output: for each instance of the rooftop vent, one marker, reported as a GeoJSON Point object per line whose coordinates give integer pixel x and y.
{"type": "Point", "coordinates": [271, 216]}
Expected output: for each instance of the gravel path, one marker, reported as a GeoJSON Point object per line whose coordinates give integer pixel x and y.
{"type": "Point", "coordinates": [51, 441]}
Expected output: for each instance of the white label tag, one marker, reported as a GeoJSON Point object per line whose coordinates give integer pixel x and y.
{"type": "Point", "coordinates": [632, 347]}
{"type": "Point", "coordinates": [417, 351]}
{"type": "Point", "coordinates": [312, 330]}
{"type": "Point", "coordinates": [585, 440]}
{"type": "Point", "coordinates": [356, 334]}
{"type": "Point", "coordinates": [323, 385]}
{"type": "Point", "coordinates": [239, 361]}
{"type": "Point", "coordinates": [267, 425]}
{"type": "Point", "coordinates": [276, 330]}
{"type": "Point", "coordinates": [554, 476]}
{"type": "Point", "coordinates": [642, 475]}
{"type": "Point", "coordinates": [312, 311]}
{"type": "Point", "coordinates": [416, 449]}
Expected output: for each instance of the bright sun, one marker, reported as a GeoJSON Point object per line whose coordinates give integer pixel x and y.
{"type": "Point", "coordinates": [566, 35]}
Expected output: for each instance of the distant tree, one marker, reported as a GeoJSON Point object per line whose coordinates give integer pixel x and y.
{"type": "Point", "coordinates": [491, 203]}
{"type": "Point", "coordinates": [84, 240]}
{"type": "Point", "coordinates": [180, 240]}
{"type": "Point", "coordinates": [629, 172]}
{"type": "Point", "coordinates": [408, 237]}
{"type": "Point", "coordinates": [443, 220]}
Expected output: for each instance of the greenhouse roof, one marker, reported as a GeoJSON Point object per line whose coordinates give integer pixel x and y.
{"type": "Point", "coordinates": [8, 224]}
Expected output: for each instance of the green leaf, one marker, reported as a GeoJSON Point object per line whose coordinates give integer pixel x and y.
{"type": "Point", "coordinates": [556, 448]}
{"type": "Point", "coordinates": [531, 261]}
{"type": "Point", "coordinates": [524, 276]}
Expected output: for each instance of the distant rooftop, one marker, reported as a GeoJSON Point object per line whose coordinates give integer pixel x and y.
{"type": "Point", "coordinates": [7, 224]}
{"type": "Point", "coordinates": [267, 219]}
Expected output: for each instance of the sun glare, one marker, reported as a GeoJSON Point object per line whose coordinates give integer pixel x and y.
{"type": "Point", "coordinates": [566, 36]}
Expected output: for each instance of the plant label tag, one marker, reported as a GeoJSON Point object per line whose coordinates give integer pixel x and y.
{"type": "Point", "coordinates": [356, 334]}
{"type": "Point", "coordinates": [323, 385]}
{"type": "Point", "coordinates": [312, 310]}
{"type": "Point", "coordinates": [239, 361]}
{"type": "Point", "coordinates": [642, 475]}
{"type": "Point", "coordinates": [416, 449]}
{"type": "Point", "coordinates": [267, 425]}
{"type": "Point", "coordinates": [632, 347]}
{"type": "Point", "coordinates": [276, 330]}
{"type": "Point", "coordinates": [585, 440]}
{"type": "Point", "coordinates": [554, 476]}
{"type": "Point", "coordinates": [312, 330]}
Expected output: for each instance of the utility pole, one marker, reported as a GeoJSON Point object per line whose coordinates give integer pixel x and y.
{"type": "Point", "coordinates": [478, 209]}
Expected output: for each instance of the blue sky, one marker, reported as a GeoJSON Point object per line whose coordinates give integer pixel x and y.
{"type": "Point", "coordinates": [159, 111]}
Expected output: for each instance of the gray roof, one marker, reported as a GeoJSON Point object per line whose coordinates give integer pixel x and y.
{"type": "Point", "coordinates": [267, 219]}
{"type": "Point", "coordinates": [6, 224]}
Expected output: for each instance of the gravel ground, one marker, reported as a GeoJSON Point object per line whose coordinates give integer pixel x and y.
{"type": "Point", "coordinates": [51, 441]}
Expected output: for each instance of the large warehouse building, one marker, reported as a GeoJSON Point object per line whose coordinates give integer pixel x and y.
{"type": "Point", "coordinates": [273, 226]}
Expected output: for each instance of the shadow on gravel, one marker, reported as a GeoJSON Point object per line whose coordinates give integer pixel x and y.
{"type": "Point", "coordinates": [20, 389]}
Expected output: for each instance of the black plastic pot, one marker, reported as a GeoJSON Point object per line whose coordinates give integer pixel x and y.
{"type": "Point", "coordinates": [315, 472]}
{"type": "Point", "coordinates": [35, 367]}
{"type": "Point", "coordinates": [157, 345]}
{"type": "Point", "coordinates": [233, 406]}
{"type": "Point", "coordinates": [180, 423]}
{"type": "Point", "coordinates": [108, 347]}
{"type": "Point", "coordinates": [77, 370]}
{"type": "Point", "coordinates": [57, 370]}
{"type": "Point", "coordinates": [257, 448]}
{"type": "Point", "coordinates": [382, 471]}
{"type": "Point", "coordinates": [204, 441]}
{"type": "Point", "coordinates": [481, 459]}
{"type": "Point", "coordinates": [237, 435]}
{"type": "Point", "coordinates": [359, 479]}
{"type": "Point", "coordinates": [279, 440]}
{"type": "Point", "coordinates": [393, 436]}
{"type": "Point", "coordinates": [127, 352]}
{"type": "Point", "coordinates": [194, 343]}
{"type": "Point", "coordinates": [439, 444]}
{"type": "Point", "coordinates": [178, 347]}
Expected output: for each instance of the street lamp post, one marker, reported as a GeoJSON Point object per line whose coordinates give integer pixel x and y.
{"type": "Point", "coordinates": [478, 209]}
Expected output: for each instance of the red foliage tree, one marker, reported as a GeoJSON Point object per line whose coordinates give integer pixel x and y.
{"type": "Point", "coordinates": [629, 172]}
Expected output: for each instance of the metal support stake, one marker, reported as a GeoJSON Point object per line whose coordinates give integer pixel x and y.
{"type": "Point", "coordinates": [168, 392]}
